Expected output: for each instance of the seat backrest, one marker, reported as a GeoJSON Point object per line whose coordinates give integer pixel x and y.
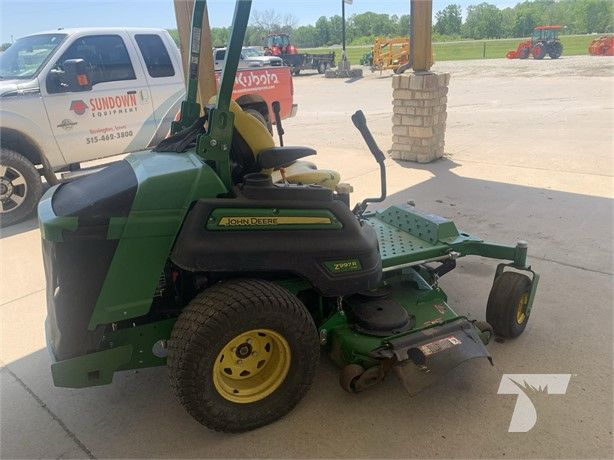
{"type": "Point", "coordinates": [253, 132]}
{"type": "Point", "coordinates": [250, 137]}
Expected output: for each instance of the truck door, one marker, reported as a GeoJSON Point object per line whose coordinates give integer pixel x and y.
{"type": "Point", "coordinates": [164, 76]}
{"type": "Point", "coordinates": [218, 59]}
{"type": "Point", "coordinates": [115, 116]}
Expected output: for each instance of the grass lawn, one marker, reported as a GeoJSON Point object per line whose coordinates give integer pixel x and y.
{"type": "Point", "coordinates": [470, 49]}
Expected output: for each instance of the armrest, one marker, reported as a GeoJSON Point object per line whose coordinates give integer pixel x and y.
{"type": "Point", "coordinates": [278, 157]}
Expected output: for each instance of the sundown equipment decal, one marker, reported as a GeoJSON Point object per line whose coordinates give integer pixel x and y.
{"type": "Point", "coordinates": [113, 105]}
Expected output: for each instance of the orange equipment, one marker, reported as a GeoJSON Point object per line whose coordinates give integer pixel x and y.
{"type": "Point", "coordinates": [545, 40]}
{"type": "Point", "coordinates": [602, 46]}
{"type": "Point", "coordinates": [390, 53]}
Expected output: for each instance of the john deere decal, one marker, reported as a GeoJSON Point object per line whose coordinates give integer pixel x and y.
{"type": "Point", "coordinates": [252, 221]}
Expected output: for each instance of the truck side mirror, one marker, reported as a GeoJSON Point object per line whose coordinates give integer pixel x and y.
{"type": "Point", "coordinates": [75, 76]}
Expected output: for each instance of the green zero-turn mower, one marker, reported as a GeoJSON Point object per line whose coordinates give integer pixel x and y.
{"type": "Point", "coordinates": [233, 262]}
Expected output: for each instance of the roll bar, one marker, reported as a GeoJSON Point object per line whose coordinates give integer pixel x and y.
{"type": "Point", "coordinates": [214, 144]}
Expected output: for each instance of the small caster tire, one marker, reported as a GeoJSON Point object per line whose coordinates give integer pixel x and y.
{"type": "Point", "coordinates": [506, 310]}
{"type": "Point", "coordinates": [486, 331]}
{"type": "Point", "coordinates": [349, 375]}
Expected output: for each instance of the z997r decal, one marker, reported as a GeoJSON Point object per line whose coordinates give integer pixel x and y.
{"type": "Point", "coordinates": [108, 137]}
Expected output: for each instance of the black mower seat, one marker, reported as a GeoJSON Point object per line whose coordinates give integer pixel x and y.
{"type": "Point", "coordinates": [252, 139]}
{"type": "Point", "coordinates": [279, 157]}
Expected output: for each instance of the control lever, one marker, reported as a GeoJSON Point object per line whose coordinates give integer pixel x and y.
{"type": "Point", "coordinates": [280, 129]}
{"type": "Point", "coordinates": [360, 122]}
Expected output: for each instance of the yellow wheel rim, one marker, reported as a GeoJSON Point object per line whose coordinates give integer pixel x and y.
{"type": "Point", "coordinates": [521, 308]}
{"type": "Point", "coordinates": [251, 366]}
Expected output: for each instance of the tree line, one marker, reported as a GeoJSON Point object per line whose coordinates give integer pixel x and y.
{"type": "Point", "coordinates": [483, 20]}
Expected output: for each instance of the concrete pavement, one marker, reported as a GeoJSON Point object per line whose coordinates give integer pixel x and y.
{"type": "Point", "coordinates": [529, 156]}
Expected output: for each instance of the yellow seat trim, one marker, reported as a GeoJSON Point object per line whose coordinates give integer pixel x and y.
{"type": "Point", "coordinates": [305, 172]}
{"type": "Point", "coordinates": [259, 139]}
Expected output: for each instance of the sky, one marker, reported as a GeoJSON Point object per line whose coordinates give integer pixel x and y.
{"type": "Point", "coordinates": [24, 17]}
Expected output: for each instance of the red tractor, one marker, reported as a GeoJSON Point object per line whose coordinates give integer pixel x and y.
{"type": "Point", "coordinates": [278, 44]}
{"type": "Point", "coordinates": [544, 41]}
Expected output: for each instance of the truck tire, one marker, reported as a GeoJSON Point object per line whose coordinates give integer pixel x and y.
{"type": "Point", "coordinates": [295, 72]}
{"type": "Point", "coordinates": [242, 354]}
{"type": "Point", "coordinates": [258, 116]}
{"type": "Point", "coordinates": [322, 66]}
{"type": "Point", "coordinates": [20, 187]}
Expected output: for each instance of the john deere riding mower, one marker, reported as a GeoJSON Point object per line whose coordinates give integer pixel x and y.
{"type": "Point", "coordinates": [234, 262]}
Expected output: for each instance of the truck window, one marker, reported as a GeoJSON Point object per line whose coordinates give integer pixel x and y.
{"type": "Point", "coordinates": [156, 56]}
{"type": "Point", "coordinates": [107, 56]}
{"type": "Point", "coordinates": [26, 56]}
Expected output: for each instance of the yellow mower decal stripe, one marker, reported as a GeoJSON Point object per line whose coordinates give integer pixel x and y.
{"type": "Point", "coordinates": [240, 221]}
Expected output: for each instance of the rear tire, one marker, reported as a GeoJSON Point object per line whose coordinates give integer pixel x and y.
{"type": "Point", "coordinates": [295, 72]}
{"type": "Point", "coordinates": [20, 187]}
{"type": "Point", "coordinates": [219, 362]}
{"type": "Point", "coordinates": [506, 310]}
{"type": "Point", "coordinates": [555, 51]}
{"type": "Point", "coordinates": [322, 67]}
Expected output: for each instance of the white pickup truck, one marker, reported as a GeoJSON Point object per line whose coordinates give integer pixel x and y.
{"type": "Point", "coordinates": [75, 95]}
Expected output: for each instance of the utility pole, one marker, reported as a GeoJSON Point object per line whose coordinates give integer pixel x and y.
{"type": "Point", "coordinates": [344, 68]}
{"type": "Point", "coordinates": [343, 25]}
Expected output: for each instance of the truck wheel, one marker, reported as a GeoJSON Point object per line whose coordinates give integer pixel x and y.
{"type": "Point", "coordinates": [296, 71]}
{"type": "Point", "coordinates": [506, 310]}
{"type": "Point", "coordinates": [257, 115]}
{"type": "Point", "coordinates": [524, 53]}
{"type": "Point", "coordinates": [322, 67]}
{"type": "Point", "coordinates": [242, 354]}
{"type": "Point", "coordinates": [20, 187]}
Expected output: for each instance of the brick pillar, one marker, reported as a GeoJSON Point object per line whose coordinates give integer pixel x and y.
{"type": "Point", "coordinates": [419, 116]}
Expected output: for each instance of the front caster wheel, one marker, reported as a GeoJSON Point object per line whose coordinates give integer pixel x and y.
{"type": "Point", "coordinates": [242, 355]}
{"type": "Point", "coordinates": [506, 310]}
